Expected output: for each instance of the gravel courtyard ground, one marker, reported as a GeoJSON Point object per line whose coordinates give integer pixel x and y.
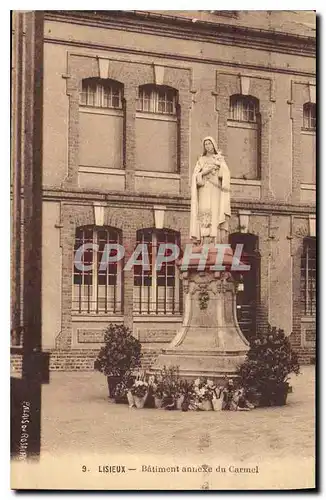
{"type": "Point", "coordinates": [78, 416]}
{"type": "Point", "coordinates": [79, 423]}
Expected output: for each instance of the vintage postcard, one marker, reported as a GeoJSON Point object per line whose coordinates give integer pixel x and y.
{"type": "Point", "coordinates": [163, 187]}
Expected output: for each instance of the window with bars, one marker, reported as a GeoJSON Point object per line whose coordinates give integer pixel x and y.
{"type": "Point", "coordinates": [243, 108]}
{"type": "Point", "coordinates": [157, 99]}
{"type": "Point", "coordinates": [309, 116]}
{"type": "Point", "coordinates": [100, 93]}
{"type": "Point", "coordinates": [96, 289]}
{"type": "Point", "coordinates": [157, 291]}
{"type": "Point", "coordinates": [308, 277]}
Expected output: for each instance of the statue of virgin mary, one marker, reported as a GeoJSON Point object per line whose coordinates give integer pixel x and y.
{"type": "Point", "coordinates": [210, 196]}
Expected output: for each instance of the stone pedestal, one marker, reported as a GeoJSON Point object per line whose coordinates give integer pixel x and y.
{"type": "Point", "coordinates": [210, 342]}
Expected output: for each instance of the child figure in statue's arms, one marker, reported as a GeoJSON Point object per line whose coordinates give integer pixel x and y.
{"type": "Point", "coordinates": [210, 170]}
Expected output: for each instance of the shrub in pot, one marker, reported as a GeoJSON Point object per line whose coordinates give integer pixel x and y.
{"type": "Point", "coordinates": [119, 355]}
{"type": "Point", "coordinates": [265, 372]}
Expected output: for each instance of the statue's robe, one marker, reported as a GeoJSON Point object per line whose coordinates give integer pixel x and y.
{"type": "Point", "coordinates": [210, 204]}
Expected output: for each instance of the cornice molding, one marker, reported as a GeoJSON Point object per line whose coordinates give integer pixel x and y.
{"type": "Point", "coordinates": [175, 57]}
{"type": "Point", "coordinates": [177, 203]}
{"type": "Point", "coordinates": [201, 31]}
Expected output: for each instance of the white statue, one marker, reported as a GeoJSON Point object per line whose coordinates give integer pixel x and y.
{"type": "Point", "coordinates": [210, 196]}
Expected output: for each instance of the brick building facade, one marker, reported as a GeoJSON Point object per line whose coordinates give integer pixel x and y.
{"type": "Point", "coordinates": [128, 97]}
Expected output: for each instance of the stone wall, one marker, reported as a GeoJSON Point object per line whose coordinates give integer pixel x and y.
{"type": "Point", "coordinates": [83, 360]}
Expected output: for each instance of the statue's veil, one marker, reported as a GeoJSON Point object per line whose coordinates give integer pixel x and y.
{"type": "Point", "coordinates": [213, 142]}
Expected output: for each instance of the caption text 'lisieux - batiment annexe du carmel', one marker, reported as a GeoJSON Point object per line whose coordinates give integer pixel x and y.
{"type": "Point", "coordinates": [128, 97]}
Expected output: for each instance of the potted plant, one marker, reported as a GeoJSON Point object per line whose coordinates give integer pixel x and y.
{"type": "Point", "coordinates": [265, 372]}
{"type": "Point", "coordinates": [205, 391]}
{"type": "Point", "coordinates": [120, 354]}
{"type": "Point", "coordinates": [228, 395]}
{"type": "Point", "coordinates": [139, 390]}
{"type": "Point", "coordinates": [187, 395]}
{"type": "Point", "coordinates": [171, 386]}
{"type": "Point", "coordinates": [158, 390]}
{"type": "Point", "coordinates": [123, 388]}
{"type": "Point", "coordinates": [120, 393]}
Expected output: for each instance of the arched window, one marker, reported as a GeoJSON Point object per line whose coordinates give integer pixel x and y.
{"type": "Point", "coordinates": [157, 290]}
{"type": "Point", "coordinates": [157, 99]}
{"type": "Point", "coordinates": [244, 130]}
{"type": "Point", "coordinates": [308, 277]}
{"type": "Point", "coordinates": [249, 288]}
{"type": "Point", "coordinates": [96, 288]}
{"type": "Point", "coordinates": [243, 108]}
{"type": "Point", "coordinates": [309, 116]}
{"type": "Point", "coordinates": [101, 93]}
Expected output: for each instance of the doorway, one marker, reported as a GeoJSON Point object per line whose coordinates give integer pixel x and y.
{"type": "Point", "coordinates": [249, 287]}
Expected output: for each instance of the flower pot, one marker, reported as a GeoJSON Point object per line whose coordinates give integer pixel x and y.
{"type": "Point", "coordinates": [217, 404]}
{"type": "Point", "coordinates": [205, 405]}
{"type": "Point", "coordinates": [112, 384]}
{"type": "Point", "coordinates": [131, 399]}
{"type": "Point", "coordinates": [140, 401]}
{"type": "Point", "coordinates": [274, 396]}
{"type": "Point", "coordinates": [179, 402]}
{"type": "Point", "coordinates": [279, 397]}
{"type": "Point", "coordinates": [158, 402]}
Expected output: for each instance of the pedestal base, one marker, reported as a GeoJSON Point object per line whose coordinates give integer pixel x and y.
{"type": "Point", "coordinates": [210, 342]}
{"type": "Point", "coordinates": [214, 365]}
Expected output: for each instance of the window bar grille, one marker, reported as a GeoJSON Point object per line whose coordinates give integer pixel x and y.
{"type": "Point", "coordinates": [88, 295]}
{"type": "Point", "coordinates": [148, 297]}
{"type": "Point", "coordinates": [115, 280]}
{"type": "Point", "coordinates": [97, 277]}
{"type": "Point", "coordinates": [165, 289]}
{"type": "Point", "coordinates": [307, 280]}
{"type": "Point", "coordinates": [312, 262]}
{"type": "Point", "coordinates": [107, 277]}
{"type": "Point", "coordinates": [311, 298]}
{"type": "Point", "coordinates": [178, 111]}
{"type": "Point", "coordinates": [141, 281]}
{"type": "Point", "coordinates": [106, 288]}
{"type": "Point", "coordinates": [140, 292]}
{"type": "Point", "coordinates": [107, 97]}
{"type": "Point", "coordinates": [107, 274]}
{"type": "Point", "coordinates": [124, 133]}
{"type": "Point", "coordinates": [114, 295]}
{"type": "Point", "coordinates": [102, 103]}
{"type": "Point", "coordinates": [152, 290]}
{"type": "Point", "coordinates": [156, 299]}
{"type": "Point", "coordinates": [90, 278]}
{"type": "Point", "coordinates": [80, 293]}
{"type": "Point", "coordinates": [165, 276]}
